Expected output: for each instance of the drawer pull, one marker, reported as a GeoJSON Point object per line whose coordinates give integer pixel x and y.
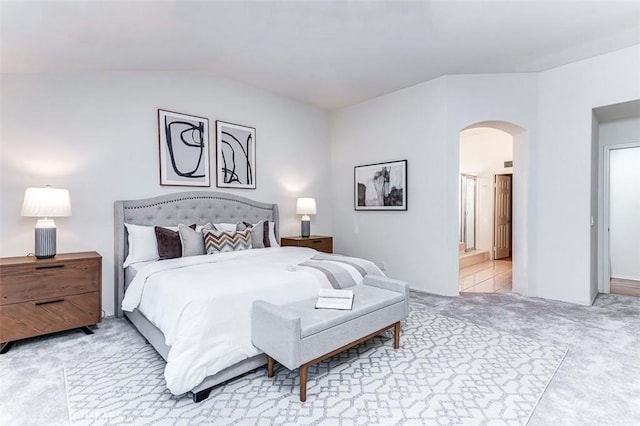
{"type": "Point", "coordinates": [50, 267]}
{"type": "Point", "coordinates": [49, 301]}
{"type": "Point", "coordinates": [316, 241]}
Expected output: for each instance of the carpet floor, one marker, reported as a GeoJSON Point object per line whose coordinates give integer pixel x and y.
{"type": "Point", "coordinates": [447, 371]}
{"type": "Point", "coordinates": [598, 382]}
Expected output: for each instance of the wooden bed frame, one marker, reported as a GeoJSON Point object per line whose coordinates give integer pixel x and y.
{"type": "Point", "coordinates": [197, 207]}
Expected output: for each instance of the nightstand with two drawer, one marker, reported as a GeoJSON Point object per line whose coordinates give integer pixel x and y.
{"type": "Point", "coordinates": [41, 296]}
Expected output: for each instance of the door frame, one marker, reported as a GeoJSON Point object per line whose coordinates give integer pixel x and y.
{"type": "Point", "coordinates": [463, 205]}
{"type": "Point", "coordinates": [604, 260]}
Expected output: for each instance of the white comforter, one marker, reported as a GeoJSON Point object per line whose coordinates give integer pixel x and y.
{"type": "Point", "coordinates": [202, 304]}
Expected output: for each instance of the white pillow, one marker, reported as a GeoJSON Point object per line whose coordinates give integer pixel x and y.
{"type": "Point", "coordinates": [142, 244]}
{"type": "Point", "coordinates": [272, 235]}
{"type": "Point", "coordinates": [226, 227]}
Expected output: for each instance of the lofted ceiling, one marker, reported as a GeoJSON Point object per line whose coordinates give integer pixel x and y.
{"type": "Point", "coordinates": [326, 53]}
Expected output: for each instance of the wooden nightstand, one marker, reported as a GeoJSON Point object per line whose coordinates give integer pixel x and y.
{"type": "Point", "coordinates": [318, 242]}
{"type": "Point", "coordinates": [41, 296]}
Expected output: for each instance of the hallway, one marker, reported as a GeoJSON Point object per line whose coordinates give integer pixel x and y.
{"type": "Point", "coordinates": [491, 276]}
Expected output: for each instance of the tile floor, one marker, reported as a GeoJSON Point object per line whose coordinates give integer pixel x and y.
{"type": "Point", "coordinates": [491, 276]}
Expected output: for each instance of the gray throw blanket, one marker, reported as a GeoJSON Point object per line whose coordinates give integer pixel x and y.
{"type": "Point", "coordinates": [338, 276]}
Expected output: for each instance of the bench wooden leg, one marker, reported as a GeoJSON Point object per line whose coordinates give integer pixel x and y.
{"type": "Point", "coordinates": [396, 335]}
{"type": "Point", "coordinates": [269, 366]}
{"type": "Point", "coordinates": [303, 382]}
{"type": "Point", "coordinates": [304, 367]}
{"type": "Point", "coordinates": [4, 347]}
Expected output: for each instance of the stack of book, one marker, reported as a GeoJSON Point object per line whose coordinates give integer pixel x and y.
{"type": "Point", "coordinates": [334, 299]}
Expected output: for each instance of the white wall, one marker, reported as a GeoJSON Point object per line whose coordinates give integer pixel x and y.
{"type": "Point", "coordinates": [96, 134]}
{"type": "Point", "coordinates": [422, 123]}
{"type": "Point", "coordinates": [484, 151]}
{"type": "Point", "coordinates": [619, 132]}
{"type": "Point", "coordinates": [563, 159]}
{"type": "Point", "coordinates": [408, 124]}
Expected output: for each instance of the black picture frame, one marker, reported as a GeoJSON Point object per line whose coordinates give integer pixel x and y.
{"type": "Point", "coordinates": [380, 186]}
{"type": "Point", "coordinates": [184, 149]}
{"type": "Point", "coordinates": [235, 156]}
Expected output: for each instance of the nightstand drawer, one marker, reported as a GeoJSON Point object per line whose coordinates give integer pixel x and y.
{"type": "Point", "coordinates": [21, 283]}
{"type": "Point", "coordinates": [28, 319]}
{"type": "Point", "coordinates": [320, 244]}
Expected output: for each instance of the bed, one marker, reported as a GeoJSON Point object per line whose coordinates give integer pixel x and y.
{"type": "Point", "coordinates": [277, 281]}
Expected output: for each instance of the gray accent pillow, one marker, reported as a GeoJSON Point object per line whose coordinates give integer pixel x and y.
{"type": "Point", "coordinates": [259, 233]}
{"type": "Point", "coordinates": [192, 240]}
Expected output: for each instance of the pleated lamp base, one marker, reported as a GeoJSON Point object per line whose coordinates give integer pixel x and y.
{"type": "Point", "coordinates": [45, 243]}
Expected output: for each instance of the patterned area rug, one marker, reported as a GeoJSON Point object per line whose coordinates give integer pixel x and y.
{"type": "Point", "coordinates": [447, 371]}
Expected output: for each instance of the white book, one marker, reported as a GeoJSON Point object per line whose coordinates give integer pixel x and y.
{"type": "Point", "coordinates": [337, 293]}
{"type": "Point", "coordinates": [334, 299]}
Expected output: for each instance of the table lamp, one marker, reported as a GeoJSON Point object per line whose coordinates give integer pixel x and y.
{"type": "Point", "coordinates": [305, 207]}
{"type": "Point", "coordinates": [45, 203]}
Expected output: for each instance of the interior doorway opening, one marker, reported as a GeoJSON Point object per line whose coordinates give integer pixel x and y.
{"type": "Point", "coordinates": [486, 200]}
{"type": "Point", "coordinates": [624, 223]}
{"type": "Point", "coordinates": [615, 193]}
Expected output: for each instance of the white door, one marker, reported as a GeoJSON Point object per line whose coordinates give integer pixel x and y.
{"type": "Point", "coordinates": [502, 217]}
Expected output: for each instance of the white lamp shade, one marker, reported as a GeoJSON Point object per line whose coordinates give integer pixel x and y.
{"type": "Point", "coordinates": [306, 206]}
{"type": "Point", "coordinates": [46, 202]}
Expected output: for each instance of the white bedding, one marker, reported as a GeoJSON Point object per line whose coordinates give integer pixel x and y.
{"type": "Point", "coordinates": [132, 270]}
{"type": "Point", "coordinates": [202, 304]}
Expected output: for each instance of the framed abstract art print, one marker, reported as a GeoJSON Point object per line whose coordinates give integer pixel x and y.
{"type": "Point", "coordinates": [184, 149]}
{"type": "Point", "coordinates": [381, 186]}
{"type": "Point", "coordinates": [235, 156]}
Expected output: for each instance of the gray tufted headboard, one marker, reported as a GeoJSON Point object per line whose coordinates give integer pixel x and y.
{"type": "Point", "coordinates": [197, 207]}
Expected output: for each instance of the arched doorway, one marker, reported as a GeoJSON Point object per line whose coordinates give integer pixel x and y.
{"type": "Point", "coordinates": [499, 241]}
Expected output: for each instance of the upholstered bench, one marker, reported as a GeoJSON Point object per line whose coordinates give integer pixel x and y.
{"type": "Point", "coordinates": [297, 335]}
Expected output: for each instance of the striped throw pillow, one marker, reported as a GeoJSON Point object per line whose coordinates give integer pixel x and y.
{"type": "Point", "coordinates": [226, 241]}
